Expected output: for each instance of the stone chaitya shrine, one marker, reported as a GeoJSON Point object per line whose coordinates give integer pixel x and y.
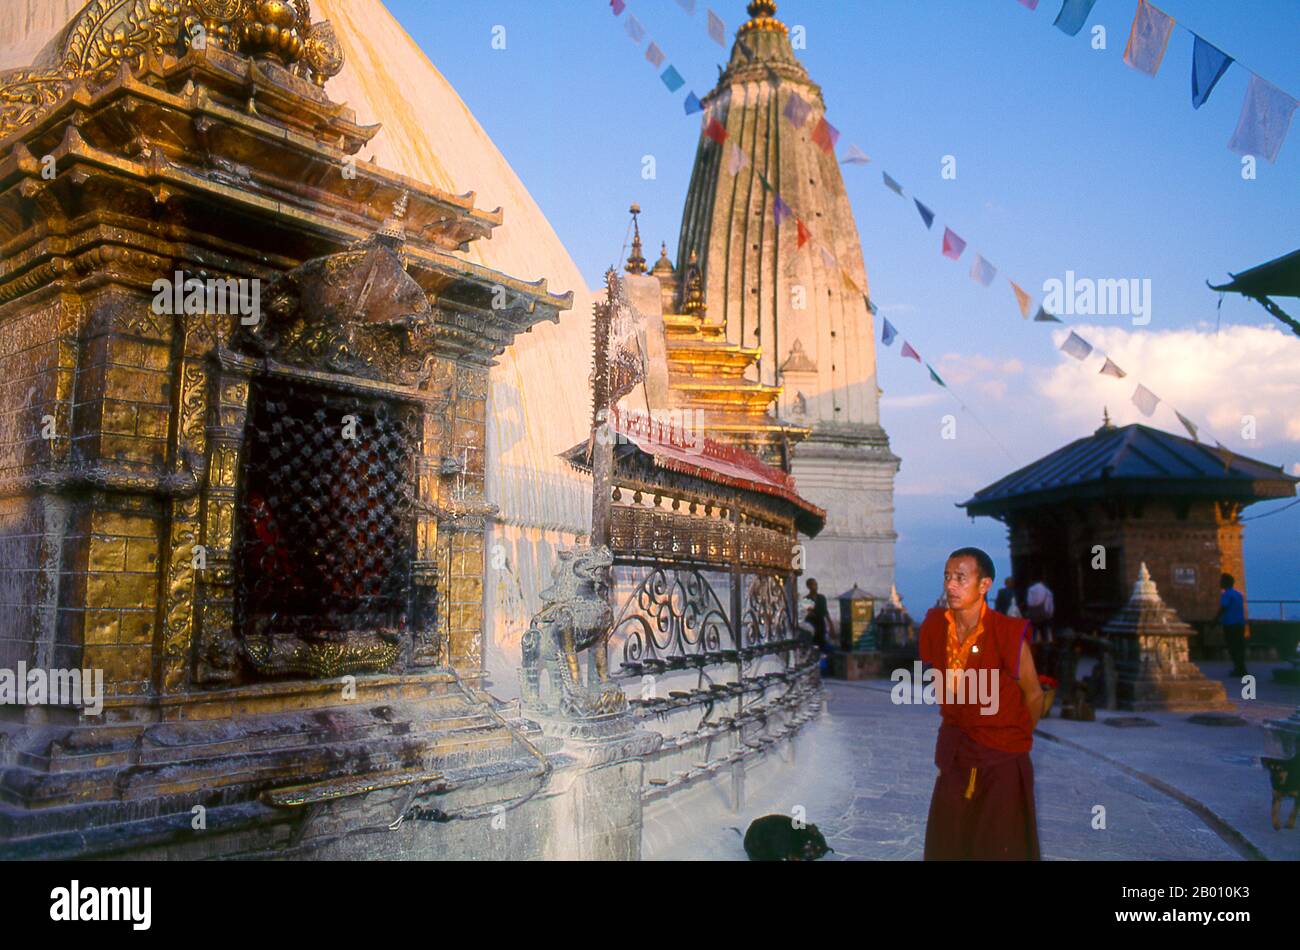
{"type": "Point", "coordinates": [242, 451]}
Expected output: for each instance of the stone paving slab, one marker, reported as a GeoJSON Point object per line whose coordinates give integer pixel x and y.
{"type": "Point", "coordinates": [864, 772]}
{"type": "Point", "coordinates": [1216, 766]}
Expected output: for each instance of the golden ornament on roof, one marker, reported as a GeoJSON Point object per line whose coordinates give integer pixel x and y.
{"type": "Point", "coordinates": [271, 30]}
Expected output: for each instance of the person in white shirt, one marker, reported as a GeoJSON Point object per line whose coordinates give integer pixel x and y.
{"type": "Point", "coordinates": [1040, 609]}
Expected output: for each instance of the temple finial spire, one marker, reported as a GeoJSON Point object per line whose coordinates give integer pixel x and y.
{"type": "Point", "coordinates": [636, 263]}
{"type": "Point", "coordinates": [762, 16]}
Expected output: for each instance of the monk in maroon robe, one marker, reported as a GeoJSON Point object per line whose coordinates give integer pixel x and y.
{"type": "Point", "coordinates": [983, 802]}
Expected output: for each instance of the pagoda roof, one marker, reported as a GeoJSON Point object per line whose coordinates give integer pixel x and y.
{"type": "Point", "coordinates": [1277, 278]}
{"type": "Point", "coordinates": [1133, 460]}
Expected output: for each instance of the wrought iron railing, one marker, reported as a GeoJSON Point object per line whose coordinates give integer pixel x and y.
{"type": "Point", "coordinates": [740, 640]}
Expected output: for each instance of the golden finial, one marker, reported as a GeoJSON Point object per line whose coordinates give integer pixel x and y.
{"type": "Point", "coordinates": [394, 229]}
{"type": "Point", "coordinates": [636, 263]}
{"type": "Point", "coordinates": [1106, 424]}
{"type": "Point", "coordinates": [694, 305]}
{"type": "Point", "coordinates": [273, 29]}
{"type": "Point", "coordinates": [663, 266]}
{"type": "Point", "coordinates": [762, 16]}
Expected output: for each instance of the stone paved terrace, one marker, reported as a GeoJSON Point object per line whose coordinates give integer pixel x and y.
{"type": "Point", "coordinates": [864, 772]}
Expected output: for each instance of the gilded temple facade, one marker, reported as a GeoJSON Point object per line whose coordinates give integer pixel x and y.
{"type": "Point", "coordinates": [244, 475]}
{"type": "Point", "coordinates": [261, 518]}
{"type": "Point", "coordinates": [807, 321]}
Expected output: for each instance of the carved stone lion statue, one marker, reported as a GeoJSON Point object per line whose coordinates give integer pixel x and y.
{"type": "Point", "coordinates": [576, 617]}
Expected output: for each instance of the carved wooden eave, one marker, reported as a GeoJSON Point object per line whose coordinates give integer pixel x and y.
{"type": "Point", "coordinates": [138, 164]}
{"type": "Point", "coordinates": [191, 130]}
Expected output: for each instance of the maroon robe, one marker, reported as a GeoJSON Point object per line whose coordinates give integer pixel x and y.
{"type": "Point", "coordinates": [983, 802]}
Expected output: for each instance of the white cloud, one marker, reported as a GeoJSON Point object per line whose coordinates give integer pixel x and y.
{"type": "Point", "coordinates": [992, 373]}
{"type": "Point", "coordinates": [1213, 379]}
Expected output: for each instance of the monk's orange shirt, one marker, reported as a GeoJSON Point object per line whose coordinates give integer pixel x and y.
{"type": "Point", "coordinates": [1008, 729]}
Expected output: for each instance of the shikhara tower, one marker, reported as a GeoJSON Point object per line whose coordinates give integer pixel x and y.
{"type": "Point", "coordinates": [804, 307]}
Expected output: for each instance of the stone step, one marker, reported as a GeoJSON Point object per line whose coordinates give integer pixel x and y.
{"type": "Point", "coordinates": [90, 748]}
{"type": "Point", "coordinates": [104, 828]}
{"type": "Point", "coordinates": [479, 739]}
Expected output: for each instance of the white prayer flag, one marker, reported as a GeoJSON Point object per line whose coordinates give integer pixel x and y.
{"type": "Point", "coordinates": [1145, 400]}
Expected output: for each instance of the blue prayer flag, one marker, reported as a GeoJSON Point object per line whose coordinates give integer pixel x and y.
{"type": "Point", "coordinates": [693, 104]}
{"type": "Point", "coordinates": [926, 214]}
{"type": "Point", "coordinates": [782, 210]}
{"type": "Point", "coordinates": [892, 185]}
{"type": "Point", "coordinates": [1077, 347]}
{"type": "Point", "coordinates": [935, 376]}
{"type": "Point", "coordinates": [796, 110]}
{"type": "Point", "coordinates": [1265, 120]}
{"type": "Point", "coordinates": [1074, 14]}
{"type": "Point", "coordinates": [687, 5]}
{"type": "Point", "coordinates": [672, 79]}
{"type": "Point", "coordinates": [1208, 66]}
{"type": "Point", "coordinates": [888, 333]}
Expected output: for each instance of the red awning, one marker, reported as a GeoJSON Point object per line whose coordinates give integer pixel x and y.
{"type": "Point", "coordinates": [688, 451]}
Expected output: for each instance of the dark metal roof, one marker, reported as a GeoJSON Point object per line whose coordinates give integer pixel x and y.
{"type": "Point", "coordinates": [1133, 460]}
{"type": "Point", "coordinates": [1279, 278]}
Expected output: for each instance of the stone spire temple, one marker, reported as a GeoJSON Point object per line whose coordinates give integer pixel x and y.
{"type": "Point", "coordinates": [811, 325]}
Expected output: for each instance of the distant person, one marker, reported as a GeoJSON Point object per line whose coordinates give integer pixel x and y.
{"type": "Point", "coordinates": [1040, 608]}
{"type": "Point", "coordinates": [1232, 614]}
{"type": "Point", "coordinates": [1006, 597]}
{"type": "Point", "coordinates": [982, 807]}
{"type": "Point", "coordinates": [819, 617]}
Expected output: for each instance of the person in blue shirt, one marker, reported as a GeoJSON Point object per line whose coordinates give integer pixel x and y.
{"type": "Point", "coordinates": [1232, 614]}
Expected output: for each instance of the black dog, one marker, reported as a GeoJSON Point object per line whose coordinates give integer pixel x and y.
{"type": "Point", "coordinates": [775, 838]}
{"type": "Point", "coordinates": [1285, 776]}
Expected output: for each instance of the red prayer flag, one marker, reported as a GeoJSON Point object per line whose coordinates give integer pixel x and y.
{"type": "Point", "coordinates": [804, 234]}
{"type": "Point", "coordinates": [617, 6]}
{"type": "Point", "coordinates": [716, 131]}
{"type": "Point", "coordinates": [826, 135]}
{"type": "Point", "coordinates": [952, 244]}
{"type": "Point", "coordinates": [909, 352]}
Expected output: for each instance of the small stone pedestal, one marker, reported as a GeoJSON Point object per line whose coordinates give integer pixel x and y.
{"type": "Point", "coordinates": [1151, 657]}
{"type": "Point", "coordinates": [598, 740]}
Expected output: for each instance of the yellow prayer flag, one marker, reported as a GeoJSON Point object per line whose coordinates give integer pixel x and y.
{"type": "Point", "coordinates": [1022, 298]}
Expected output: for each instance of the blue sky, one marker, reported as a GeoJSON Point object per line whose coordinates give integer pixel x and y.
{"type": "Point", "coordinates": [1066, 160]}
